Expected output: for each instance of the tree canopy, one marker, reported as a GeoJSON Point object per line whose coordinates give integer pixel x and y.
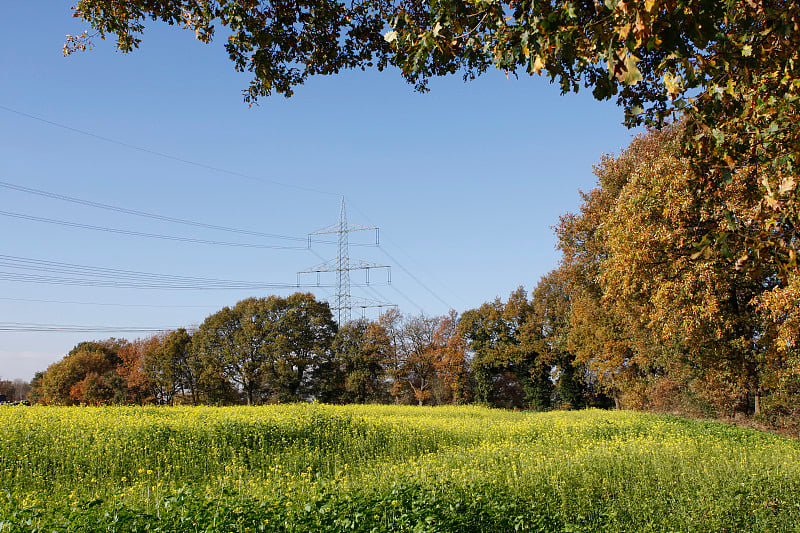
{"type": "Point", "coordinates": [657, 328]}
{"type": "Point", "coordinates": [266, 346]}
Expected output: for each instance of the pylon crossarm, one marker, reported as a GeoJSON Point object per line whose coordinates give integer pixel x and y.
{"type": "Point", "coordinates": [367, 303]}
{"type": "Point", "coordinates": [342, 265]}
{"type": "Point", "coordinates": [358, 264]}
{"type": "Point", "coordinates": [333, 266]}
{"type": "Point", "coordinates": [335, 228]}
{"type": "Point", "coordinates": [328, 266]}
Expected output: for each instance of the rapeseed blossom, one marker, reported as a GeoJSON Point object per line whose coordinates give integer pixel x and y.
{"type": "Point", "coordinates": [314, 466]}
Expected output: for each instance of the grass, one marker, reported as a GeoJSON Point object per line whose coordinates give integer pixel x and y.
{"type": "Point", "coordinates": [385, 468]}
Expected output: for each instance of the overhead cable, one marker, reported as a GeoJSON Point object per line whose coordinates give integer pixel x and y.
{"type": "Point", "coordinates": [91, 276]}
{"type": "Point", "coordinates": [404, 269]}
{"type": "Point", "coordinates": [25, 327]}
{"type": "Point", "coordinates": [108, 304]}
{"type": "Point", "coordinates": [138, 213]}
{"type": "Point", "coordinates": [154, 216]}
{"type": "Point", "coordinates": [143, 234]}
{"type": "Point", "coordinates": [168, 156]}
{"type": "Point", "coordinates": [127, 284]}
{"type": "Point", "coordinates": [412, 302]}
{"type": "Point", "coordinates": [415, 278]}
{"type": "Point", "coordinates": [112, 277]}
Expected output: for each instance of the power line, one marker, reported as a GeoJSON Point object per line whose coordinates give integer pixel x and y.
{"type": "Point", "coordinates": [91, 276]}
{"type": "Point", "coordinates": [144, 214]}
{"type": "Point", "coordinates": [404, 269]}
{"type": "Point", "coordinates": [111, 277]}
{"type": "Point", "coordinates": [254, 286]}
{"type": "Point", "coordinates": [380, 297]}
{"type": "Point", "coordinates": [370, 289]}
{"type": "Point", "coordinates": [154, 216]}
{"type": "Point", "coordinates": [143, 234]}
{"type": "Point", "coordinates": [26, 327]}
{"type": "Point", "coordinates": [165, 155]}
{"type": "Point", "coordinates": [412, 302]}
{"type": "Point", "coordinates": [415, 278]}
{"type": "Point", "coordinates": [54, 280]}
{"type": "Point", "coordinates": [103, 304]}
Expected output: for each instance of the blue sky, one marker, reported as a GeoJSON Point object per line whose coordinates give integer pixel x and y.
{"type": "Point", "coordinates": [465, 182]}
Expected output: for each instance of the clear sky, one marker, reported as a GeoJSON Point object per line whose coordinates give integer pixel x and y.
{"type": "Point", "coordinates": [465, 182]}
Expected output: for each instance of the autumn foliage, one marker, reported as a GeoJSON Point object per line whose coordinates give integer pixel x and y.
{"type": "Point", "coordinates": [660, 322]}
{"type": "Point", "coordinates": [639, 314]}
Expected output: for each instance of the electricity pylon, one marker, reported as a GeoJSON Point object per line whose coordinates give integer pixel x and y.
{"type": "Point", "coordinates": [342, 265]}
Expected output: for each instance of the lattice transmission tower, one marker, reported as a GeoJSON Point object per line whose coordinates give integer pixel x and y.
{"type": "Point", "coordinates": [342, 265]}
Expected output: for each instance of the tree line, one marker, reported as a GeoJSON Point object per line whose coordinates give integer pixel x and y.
{"type": "Point", "coordinates": [288, 349]}
{"type": "Point", "coordinates": [14, 391]}
{"type": "Point", "coordinates": [628, 318]}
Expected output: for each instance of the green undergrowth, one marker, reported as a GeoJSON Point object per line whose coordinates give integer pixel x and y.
{"type": "Point", "coordinates": [384, 468]}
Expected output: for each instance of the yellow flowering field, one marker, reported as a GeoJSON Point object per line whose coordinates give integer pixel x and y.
{"type": "Point", "coordinates": [306, 467]}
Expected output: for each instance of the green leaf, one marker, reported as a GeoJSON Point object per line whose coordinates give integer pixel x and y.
{"type": "Point", "coordinates": [632, 75]}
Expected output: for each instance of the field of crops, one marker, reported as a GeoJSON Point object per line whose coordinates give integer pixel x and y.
{"type": "Point", "coordinates": [382, 468]}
